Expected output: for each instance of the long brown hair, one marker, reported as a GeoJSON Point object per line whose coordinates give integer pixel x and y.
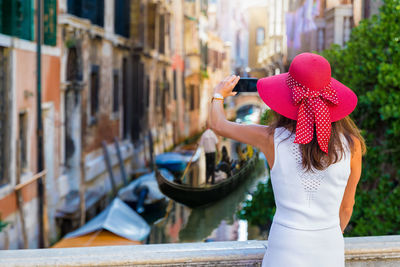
{"type": "Point", "coordinates": [312, 156]}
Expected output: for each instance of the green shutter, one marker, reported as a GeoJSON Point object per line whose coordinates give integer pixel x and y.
{"type": "Point", "coordinates": [50, 22]}
{"type": "Point", "coordinates": [17, 18]}
{"type": "Point", "coordinates": [1, 16]}
{"type": "Point", "coordinates": [24, 20]}
{"type": "Point", "coordinates": [8, 20]}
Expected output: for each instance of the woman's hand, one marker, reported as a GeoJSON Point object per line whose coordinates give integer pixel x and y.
{"type": "Point", "coordinates": [252, 134]}
{"type": "Point", "coordinates": [226, 86]}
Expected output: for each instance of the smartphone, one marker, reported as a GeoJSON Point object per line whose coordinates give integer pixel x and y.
{"type": "Point", "coordinates": [246, 85]}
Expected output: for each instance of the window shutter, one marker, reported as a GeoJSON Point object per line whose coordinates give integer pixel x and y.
{"type": "Point", "coordinates": [100, 13]}
{"type": "Point", "coordinates": [17, 18]}
{"type": "Point", "coordinates": [24, 19]}
{"type": "Point", "coordinates": [121, 17]}
{"type": "Point", "coordinates": [75, 7]}
{"type": "Point", "coordinates": [50, 22]}
{"type": "Point", "coordinates": [8, 20]}
{"type": "Point", "coordinates": [1, 16]}
{"type": "Point", "coordinates": [94, 11]}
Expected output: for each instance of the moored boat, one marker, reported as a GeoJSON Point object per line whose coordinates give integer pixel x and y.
{"type": "Point", "coordinates": [118, 224]}
{"type": "Point", "coordinates": [143, 194]}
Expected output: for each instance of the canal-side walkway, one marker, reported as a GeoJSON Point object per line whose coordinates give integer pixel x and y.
{"type": "Point", "coordinates": [360, 251]}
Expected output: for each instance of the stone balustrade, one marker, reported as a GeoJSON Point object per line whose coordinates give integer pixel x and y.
{"type": "Point", "coordinates": [360, 251]}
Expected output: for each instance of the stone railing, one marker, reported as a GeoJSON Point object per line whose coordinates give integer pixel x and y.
{"type": "Point", "coordinates": [360, 251]}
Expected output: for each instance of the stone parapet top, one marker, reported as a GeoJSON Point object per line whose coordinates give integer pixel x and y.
{"type": "Point", "coordinates": [383, 250]}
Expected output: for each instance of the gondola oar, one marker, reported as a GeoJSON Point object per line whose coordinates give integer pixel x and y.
{"type": "Point", "coordinates": [190, 161]}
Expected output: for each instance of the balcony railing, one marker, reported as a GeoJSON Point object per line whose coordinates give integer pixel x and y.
{"type": "Point", "coordinates": [360, 251]}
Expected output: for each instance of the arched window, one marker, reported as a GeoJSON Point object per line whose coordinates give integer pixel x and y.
{"type": "Point", "coordinates": [260, 37]}
{"type": "Point", "coordinates": [73, 66]}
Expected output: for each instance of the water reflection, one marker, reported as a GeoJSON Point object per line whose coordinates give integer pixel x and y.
{"type": "Point", "coordinates": [216, 222]}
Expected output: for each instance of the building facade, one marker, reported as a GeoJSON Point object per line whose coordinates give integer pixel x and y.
{"type": "Point", "coordinates": [19, 118]}
{"type": "Point", "coordinates": [137, 73]}
{"type": "Point", "coordinates": [296, 26]}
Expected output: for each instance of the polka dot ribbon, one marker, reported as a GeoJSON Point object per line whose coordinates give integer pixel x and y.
{"type": "Point", "coordinates": [313, 108]}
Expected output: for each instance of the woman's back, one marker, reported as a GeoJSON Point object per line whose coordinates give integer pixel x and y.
{"type": "Point", "coordinates": [313, 208]}
{"type": "Point", "coordinates": [306, 200]}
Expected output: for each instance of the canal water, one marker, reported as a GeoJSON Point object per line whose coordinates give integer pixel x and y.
{"type": "Point", "coordinates": [216, 222]}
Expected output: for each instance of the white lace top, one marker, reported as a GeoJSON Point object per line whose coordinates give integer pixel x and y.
{"type": "Point", "coordinates": [306, 200]}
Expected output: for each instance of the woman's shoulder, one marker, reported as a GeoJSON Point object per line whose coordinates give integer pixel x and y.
{"type": "Point", "coordinates": [282, 133]}
{"type": "Point", "coordinates": [357, 148]}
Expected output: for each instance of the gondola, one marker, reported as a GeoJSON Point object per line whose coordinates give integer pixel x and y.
{"type": "Point", "coordinates": [201, 196]}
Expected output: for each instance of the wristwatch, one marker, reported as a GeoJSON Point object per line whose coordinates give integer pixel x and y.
{"type": "Point", "coordinates": [217, 96]}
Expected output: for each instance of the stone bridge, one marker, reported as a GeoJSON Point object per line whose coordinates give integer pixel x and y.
{"type": "Point", "coordinates": [244, 99]}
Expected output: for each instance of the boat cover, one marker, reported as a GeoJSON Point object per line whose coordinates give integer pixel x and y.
{"type": "Point", "coordinates": [170, 158]}
{"type": "Point", "coordinates": [119, 219]}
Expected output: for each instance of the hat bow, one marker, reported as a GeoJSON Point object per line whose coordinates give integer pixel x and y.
{"type": "Point", "coordinates": [313, 108]}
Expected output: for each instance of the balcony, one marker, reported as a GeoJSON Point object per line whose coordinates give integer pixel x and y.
{"type": "Point", "coordinates": [338, 23]}
{"type": "Point", "coordinates": [360, 251]}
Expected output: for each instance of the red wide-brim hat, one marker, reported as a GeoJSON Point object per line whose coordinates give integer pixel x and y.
{"type": "Point", "coordinates": [309, 77]}
{"type": "Point", "coordinates": [277, 95]}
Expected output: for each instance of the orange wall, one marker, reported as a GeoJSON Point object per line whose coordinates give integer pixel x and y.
{"type": "Point", "coordinates": [26, 78]}
{"type": "Point", "coordinates": [25, 93]}
{"type": "Point", "coordinates": [8, 204]}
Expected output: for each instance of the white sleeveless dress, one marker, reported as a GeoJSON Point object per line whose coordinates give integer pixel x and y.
{"type": "Point", "coordinates": [305, 230]}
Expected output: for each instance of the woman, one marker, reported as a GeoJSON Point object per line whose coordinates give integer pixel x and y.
{"type": "Point", "coordinates": [314, 151]}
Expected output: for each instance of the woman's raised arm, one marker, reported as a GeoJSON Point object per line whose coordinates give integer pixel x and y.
{"type": "Point", "coordinates": [252, 134]}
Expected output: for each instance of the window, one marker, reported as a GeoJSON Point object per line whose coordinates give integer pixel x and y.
{"type": "Point", "coordinates": [147, 89]}
{"type": "Point", "coordinates": [161, 45]}
{"type": "Point", "coordinates": [88, 9]}
{"type": "Point", "coordinates": [121, 17]}
{"type": "Point", "coordinates": [164, 102]}
{"type": "Point", "coordinates": [74, 72]}
{"type": "Point", "coordinates": [116, 91]}
{"type": "Point", "coordinates": [204, 52]}
{"type": "Point", "coordinates": [175, 85]}
{"type": "Point", "coordinates": [157, 97]}
{"type": "Point", "coordinates": [94, 91]}
{"type": "Point", "coordinates": [22, 142]}
{"type": "Point", "coordinates": [260, 36]}
{"type": "Point", "coordinates": [183, 87]}
{"type": "Point", "coordinates": [151, 25]}
{"type": "Point", "coordinates": [126, 97]}
{"type": "Point", "coordinates": [50, 22]}
{"type": "Point", "coordinates": [137, 100]}
{"type": "Point", "coordinates": [165, 97]}
{"type": "Point", "coordinates": [16, 18]}
{"type": "Point", "coordinates": [192, 89]}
